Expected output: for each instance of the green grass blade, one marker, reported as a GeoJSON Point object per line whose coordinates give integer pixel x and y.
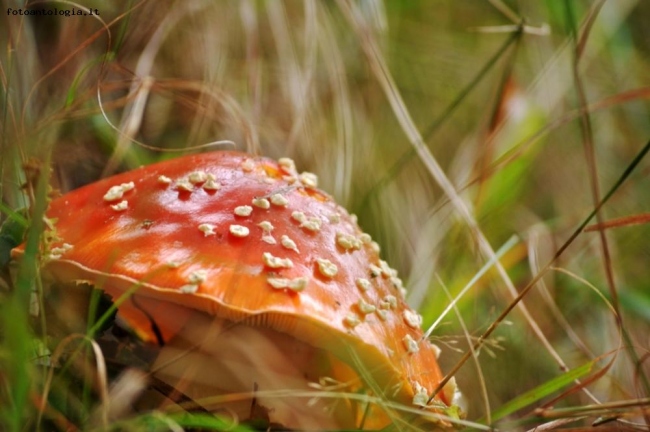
{"type": "Point", "coordinates": [14, 315]}
{"type": "Point", "coordinates": [542, 391]}
{"type": "Point", "coordinates": [433, 127]}
{"type": "Point", "coordinates": [207, 421]}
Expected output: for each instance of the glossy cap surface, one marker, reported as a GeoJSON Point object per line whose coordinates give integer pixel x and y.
{"type": "Point", "coordinates": [246, 239]}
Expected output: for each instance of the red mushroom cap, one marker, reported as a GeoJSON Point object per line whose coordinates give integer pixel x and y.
{"type": "Point", "coordinates": [245, 238]}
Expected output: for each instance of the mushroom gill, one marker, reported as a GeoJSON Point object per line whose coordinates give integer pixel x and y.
{"type": "Point", "coordinates": [256, 373]}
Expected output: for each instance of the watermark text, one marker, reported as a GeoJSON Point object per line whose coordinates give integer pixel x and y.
{"type": "Point", "coordinates": [52, 12]}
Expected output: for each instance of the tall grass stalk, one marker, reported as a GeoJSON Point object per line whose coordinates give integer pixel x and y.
{"type": "Point", "coordinates": [447, 128]}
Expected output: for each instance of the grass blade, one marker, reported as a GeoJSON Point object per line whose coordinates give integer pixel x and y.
{"type": "Point", "coordinates": [542, 391]}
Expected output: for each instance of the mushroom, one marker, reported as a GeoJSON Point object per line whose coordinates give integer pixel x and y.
{"type": "Point", "coordinates": [237, 315]}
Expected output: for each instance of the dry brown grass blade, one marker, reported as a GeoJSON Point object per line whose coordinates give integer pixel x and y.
{"type": "Point", "coordinates": [477, 365]}
{"type": "Point", "coordinates": [102, 380]}
{"type": "Point", "coordinates": [380, 69]}
{"type": "Point", "coordinates": [614, 354]}
{"type": "Point", "coordinates": [254, 62]}
{"type": "Point", "coordinates": [123, 392]}
{"type": "Point", "coordinates": [598, 409]}
{"type": "Point", "coordinates": [588, 140]}
{"type": "Point", "coordinates": [644, 151]}
{"type": "Point", "coordinates": [55, 416]}
{"type": "Point", "coordinates": [585, 382]}
{"type": "Point", "coordinates": [85, 44]}
{"type": "Point", "coordinates": [623, 221]}
{"type": "Point", "coordinates": [227, 102]}
{"type": "Point", "coordinates": [344, 115]}
{"type": "Point", "coordinates": [518, 149]}
{"type": "Point", "coordinates": [140, 88]}
{"type": "Point", "coordinates": [535, 267]}
{"type": "Point", "coordinates": [555, 424]}
{"type": "Point", "coordinates": [297, 80]}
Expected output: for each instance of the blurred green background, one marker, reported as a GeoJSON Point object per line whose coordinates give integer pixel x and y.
{"type": "Point", "coordinates": [532, 110]}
